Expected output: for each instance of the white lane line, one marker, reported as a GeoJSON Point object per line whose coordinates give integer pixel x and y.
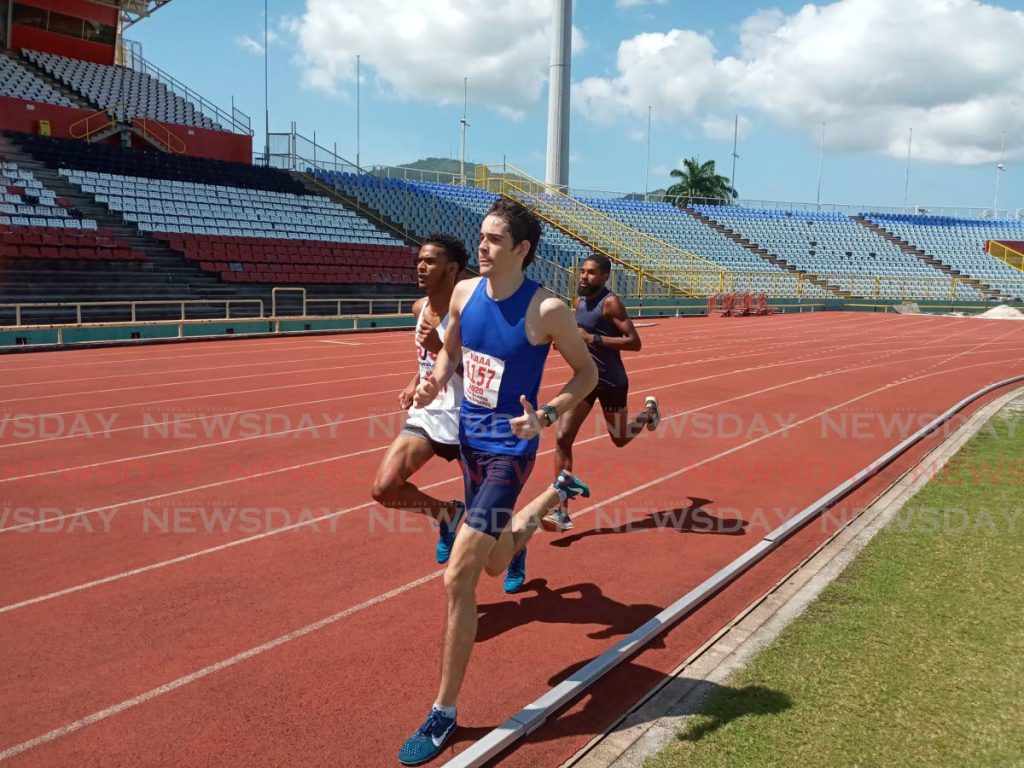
{"type": "Point", "coordinates": [334, 423]}
{"type": "Point", "coordinates": [79, 513]}
{"type": "Point", "coordinates": [365, 505]}
{"type": "Point", "coordinates": [22, 418]}
{"type": "Point", "coordinates": [805, 340]}
{"type": "Point", "coordinates": [180, 682]}
{"type": "Point", "coordinates": [153, 693]}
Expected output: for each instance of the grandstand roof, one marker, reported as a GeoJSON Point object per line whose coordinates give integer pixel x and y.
{"type": "Point", "coordinates": [134, 11]}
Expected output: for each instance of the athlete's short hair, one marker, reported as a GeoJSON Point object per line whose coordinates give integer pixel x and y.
{"type": "Point", "coordinates": [522, 224]}
{"type": "Point", "coordinates": [604, 264]}
{"type": "Point", "coordinates": [453, 248]}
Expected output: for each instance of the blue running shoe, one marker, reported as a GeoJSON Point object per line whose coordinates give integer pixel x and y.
{"type": "Point", "coordinates": [570, 485]}
{"type": "Point", "coordinates": [515, 575]}
{"type": "Point", "coordinates": [446, 536]}
{"type": "Point", "coordinates": [429, 739]}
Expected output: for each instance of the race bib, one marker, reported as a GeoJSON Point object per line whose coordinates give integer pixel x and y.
{"type": "Point", "coordinates": [481, 378]}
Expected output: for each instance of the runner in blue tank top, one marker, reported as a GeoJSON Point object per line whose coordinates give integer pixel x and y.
{"type": "Point", "coordinates": [608, 332]}
{"type": "Point", "coordinates": [500, 327]}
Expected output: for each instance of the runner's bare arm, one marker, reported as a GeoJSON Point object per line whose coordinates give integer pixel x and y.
{"type": "Point", "coordinates": [559, 325]}
{"type": "Point", "coordinates": [615, 311]}
{"type": "Point", "coordinates": [450, 356]}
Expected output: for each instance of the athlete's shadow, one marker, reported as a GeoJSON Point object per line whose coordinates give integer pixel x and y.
{"type": "Point", "coordinates": [717, 704]}
{"type": "Point", "coordinates": [691, 519]}
{"type": "Point", "coordinates": [574, 604]}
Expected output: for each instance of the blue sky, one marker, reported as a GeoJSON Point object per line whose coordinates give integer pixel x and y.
{"type": "Point", "coordinates": [869, 69]}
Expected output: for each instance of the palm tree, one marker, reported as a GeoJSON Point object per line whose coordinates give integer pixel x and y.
{"type": "Point", "coordinates": [698, 180]}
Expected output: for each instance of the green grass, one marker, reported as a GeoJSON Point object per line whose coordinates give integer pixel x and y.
{"type": "Point", "coordinates": [913, 657]}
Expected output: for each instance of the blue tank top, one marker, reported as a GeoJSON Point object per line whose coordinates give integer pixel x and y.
{"type": "Point", "coordinates": [499, 364]}
{"type": "Point", "coordinates": [590, 317]}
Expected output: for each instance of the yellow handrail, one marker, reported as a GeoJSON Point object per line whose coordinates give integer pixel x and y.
{"type": "Point", "coordinates": [167, 138]}
{"type": "Point", "coordinates": [86, 122]}
{"type": "Point", "coordinates": [1009, 256]}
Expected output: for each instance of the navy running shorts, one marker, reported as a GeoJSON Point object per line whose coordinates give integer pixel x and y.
{"type": "Point", "coordinates": [493, 484]}
{"type": "Point", "coordinates": [612, 398]}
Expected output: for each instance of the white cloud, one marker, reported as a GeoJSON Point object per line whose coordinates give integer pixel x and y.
{"type": "Point", "coordinates": [250, 45]}
{"type": "Point", "coordinates": [254, 46]}
{"type": "Point", "coordinates": [871, 69]}
{"type": "Point", "coordinates": [634, 3]}
{"type": "Point", "coordinates": [722, 127]}
{"type": "Point", "coordinates": [423, 50]}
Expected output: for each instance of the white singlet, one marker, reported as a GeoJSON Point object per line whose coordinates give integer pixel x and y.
{"type": "Point", "coordinates": [440, 419]}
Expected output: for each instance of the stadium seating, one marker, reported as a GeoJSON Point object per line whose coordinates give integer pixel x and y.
{"type": "Point", "coordinates": [248, 235]}
{"type": "Point", "coordinates": [666, 222]}
{"type": "Point", "coordinates": [960, 244]}
{"type": "Point", "coordinates": [834, 246]}
{"type": "Point", "coordinates": [129, 93]}
{"type": "Point", "coordinates": [18, 82]}
{"type": "Point", "coordinates": [63, 153]}
{"type": "Point", "coordinates": [425, 207]}
{"type": "Point", "coordinates": [274, 260]}
{"type": "Point", "coordinates": [35, 224]}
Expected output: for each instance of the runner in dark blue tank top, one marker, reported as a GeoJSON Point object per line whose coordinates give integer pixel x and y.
{"type": "Point", "coordinates": [608, 331]}
{"type": "Point", "coordinates": [500, 327]}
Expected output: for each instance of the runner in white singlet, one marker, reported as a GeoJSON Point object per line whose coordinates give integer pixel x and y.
{"type": "Point", "coordinates": [433, 430]}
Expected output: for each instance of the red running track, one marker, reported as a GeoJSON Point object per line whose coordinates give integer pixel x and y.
{"type": "Point", "coordinates": [191, 571]}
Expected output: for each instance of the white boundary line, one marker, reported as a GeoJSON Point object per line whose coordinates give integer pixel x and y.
{"type": "Point", "coordinates": [791, 361]}
{"type": "Point", "coordinates": [535, 715]}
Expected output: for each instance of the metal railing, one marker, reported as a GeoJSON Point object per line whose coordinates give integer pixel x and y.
{"type": "Point", "coordinates": [179, 305]}
{"type": "Point", "coordinates": [346, 306]}
{"type": "Point", "coordinates": [236, 122]}
{"type": "Point", "coordinates": [156, 132]}
{"type": "Point", "coordinates": [1006, 254]}
{"type": "Point", "coordinates": [91, 124]}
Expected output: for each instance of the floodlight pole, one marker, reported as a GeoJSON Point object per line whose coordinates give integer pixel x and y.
{"type": "Point", "coordinates": [821, 160]}
{"type": "Point", "coordinates": [465, 125]}
{"type": "Point", "coordinates": [266, 80]}
{"type": "Point", "coordinates": [735, 157]}
{"type": "Point", "coordinates": [906, 185]}
{"type": "Point", "coordinates": [999, 169]}
{"type": "Point", "coordinates": [358, 116]}
{"type": "Point", "coordinates": [557, 174]}
{"type": "Point", "coordinates": [647, 168]}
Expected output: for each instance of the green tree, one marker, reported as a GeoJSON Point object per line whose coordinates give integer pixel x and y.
{"type": "Point", "coordinates": [699, 181]}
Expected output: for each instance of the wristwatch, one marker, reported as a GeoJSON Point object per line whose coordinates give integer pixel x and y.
{"type": "Point", "coordinates": [550, 415]}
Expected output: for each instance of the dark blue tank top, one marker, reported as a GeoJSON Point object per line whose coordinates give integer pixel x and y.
{"type": "Point", "coordinates": [499, 365]}
{"type": "Point", "coordinates": [590, 317]}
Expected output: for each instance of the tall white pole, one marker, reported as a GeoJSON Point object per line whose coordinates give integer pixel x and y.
{"type": "Point", "coordinates": [359, 165]}
{"type": "Point", "coordinates": [647, 171]}
{"type": "Point", "coordinates": [999, 169]}
{"type": "Point", "coordinates": [906, 185]}
{"type": "Point", "coordinates": [821, 160]}
{"type": "Point", "coordinates": [735, 157]}
{"type": "Point", "coordinates": [557, 174]}
{"type": "Point", "coordinates": [465, 125]}
{"type": "Point", "coordinates": [266, 80]}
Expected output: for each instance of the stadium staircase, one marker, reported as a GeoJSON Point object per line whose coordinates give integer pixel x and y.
{"type": "Point", "coordinates": [767, 255]}
{"type": "Point", "coordinates": [918, 253]}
